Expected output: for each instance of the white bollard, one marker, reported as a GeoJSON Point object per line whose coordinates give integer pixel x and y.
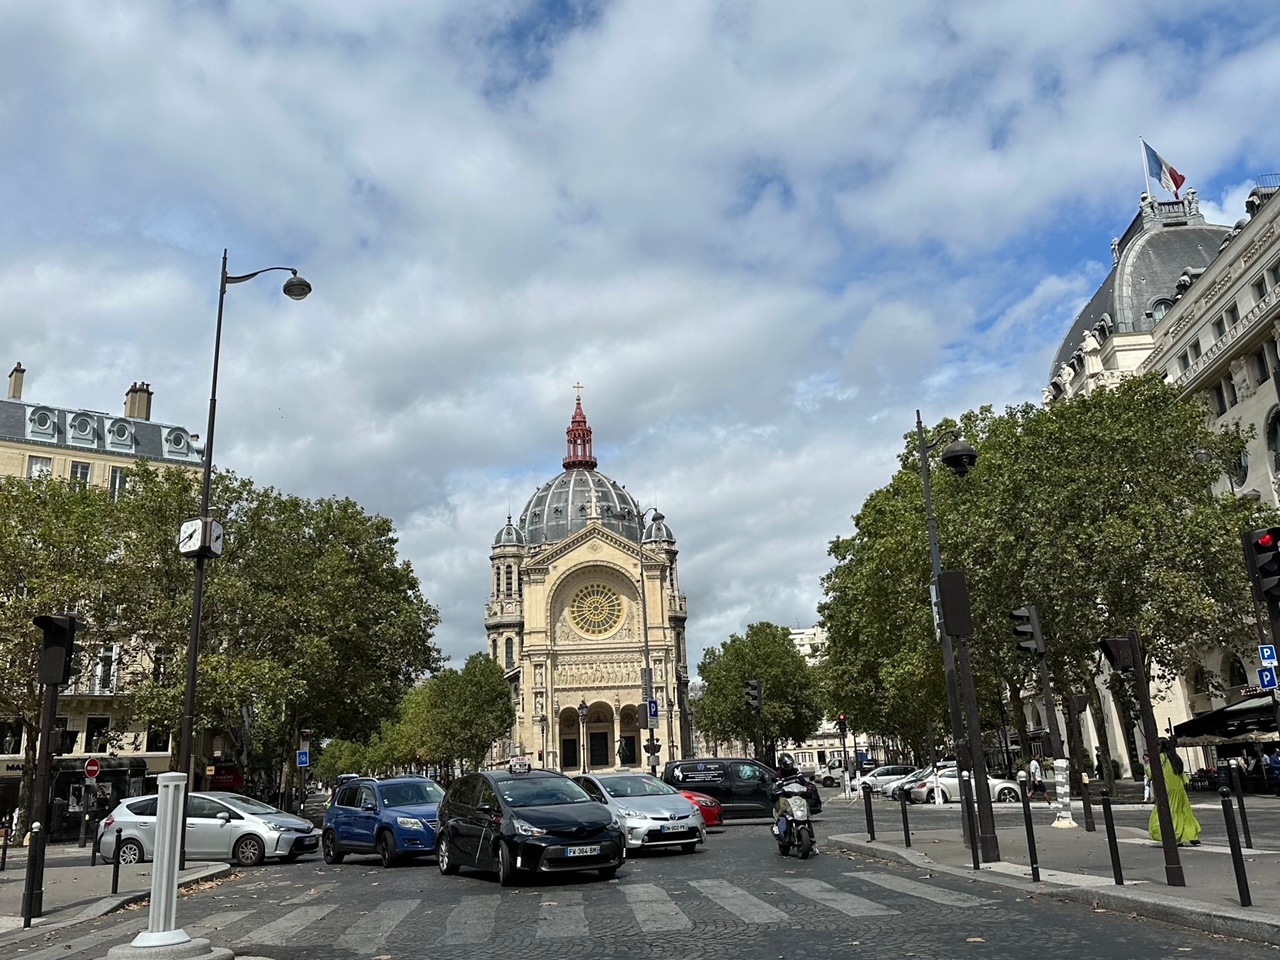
{"type": "Point", "coordinates": [937, 786]}
{"type": "Point", "coordinates": [1062, 777]}
{"type": "Point", "coordinates": [162, 920]}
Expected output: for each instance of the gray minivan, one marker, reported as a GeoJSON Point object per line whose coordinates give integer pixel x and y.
{"type": "Point", "coordinates": [741, 785]}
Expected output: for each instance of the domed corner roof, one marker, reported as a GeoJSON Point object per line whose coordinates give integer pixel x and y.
{"type": "Point", "coordinates": [658, 529]}
{"type": "Point", "coordinates": [563, 506]}
{"type": "Point", "coordinates": [509, 536]}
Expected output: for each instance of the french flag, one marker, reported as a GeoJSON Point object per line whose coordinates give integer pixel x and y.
{"type": "Point", "coordinates": [1169, 178]}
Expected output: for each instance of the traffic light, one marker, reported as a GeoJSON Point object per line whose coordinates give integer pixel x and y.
{"type": "Point", "coordinates": [1262, 560]}
{"type": "Point", "coordinates": [1026, 627]}
{"type": "Point", "coordinates": [842, 724]}
{"type": "Point", "coordinates": [60, 655]}
{"type": "Point", "coordinates": [1079, 702]}
{"type": "Point", "coordinates": [753, 694]}
{"type": "Point", "coordinates": [655, 747]}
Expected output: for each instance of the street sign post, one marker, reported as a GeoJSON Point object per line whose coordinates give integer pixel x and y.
{"type": "Point", "coordinates": [304, 758]}
{"type": "Point", "coordinates": [1267, 655]}
{"type": "Point", "coordinates": [653, 714]}
{"type": "Point", "coordinates": [1267, 678]}
{"type": "Point", "coordinates": [92, 768]}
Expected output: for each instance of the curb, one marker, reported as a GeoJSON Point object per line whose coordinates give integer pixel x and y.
{"type": "Point", "coordinates": [109, 904]}
{"type": "Point", "coordinates": [1226, 921]}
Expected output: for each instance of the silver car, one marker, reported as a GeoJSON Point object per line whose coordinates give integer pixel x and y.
{"type": "Point", "coordinates": [220, 826]}
{"type": "Point", "coordinates": [652, 814]}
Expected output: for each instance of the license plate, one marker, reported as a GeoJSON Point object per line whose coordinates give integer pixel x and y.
{"type": "Point", "coordinates": [673, 828]}
{"type": "Point", "coordinates": [582, 851]}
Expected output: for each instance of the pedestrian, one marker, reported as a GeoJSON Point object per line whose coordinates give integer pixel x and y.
{"type": "Point", "coordinates": [1185, 825]}
{"type": "Point", "coordinates": [1100, 765]}
{"type": "Point", "coordinates": [1036, 775]}
{"type": "Point", "coordinates": [1146, 778]}
{"type": "Point", "coordinates": [1273, 768]}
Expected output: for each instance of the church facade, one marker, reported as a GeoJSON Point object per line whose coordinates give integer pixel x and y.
{"type": "Point", "coordinates": [586, 605]}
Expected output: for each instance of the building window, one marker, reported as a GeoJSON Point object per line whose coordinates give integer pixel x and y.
{"type": "Point", "coordinates": [1218, 399]}
{"type": "Point", "coordinates": [497, 582]}
{"type": "Point", "coordinates": [511, 653]}
{"type": "Point", "coordinates": [1195, 350]}
{"type": "Point", "coordinates": [97, 730]}
{"type": "Point", "coordinates": [508, 581]}
{"type": "Point", "coordinates": [1261, 371]}
{"type": "Point", "coordinates": [1184, 361]}
{"type": "Point", "coordinates": [66, 738]}
{"type": "Point", "coordinates": [1160, 308]}
{"type": "Point", "coordinates": [1240, 469]}
{"type": "Point", "coordinates": [104, 674]}
{"type": "Point", "coordinates": [80, 473]}
{"type": "Point", "coordinates": [1236, 675]}
{"type": "Point", "coordinates": [157, 740]}
{"type": "Point", "coordinates": [39, 467]}
{"type": "Point", "coordinates": [1219, 329]}
{"type": "Point", "coordinates": [119, 480]}
{"type": "Point", "coordinates": [1260, 288]}
{"type": "Point", "coordinates": [160, 661]}
{"type": "Point", "coordinates": [1229, 388]}
{"type": "Point", "coordinates": [1232, 315]}
{"type": "Point", "coordinates": [11, 736]}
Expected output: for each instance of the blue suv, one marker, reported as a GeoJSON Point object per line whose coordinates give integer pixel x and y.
{"type": "Point", "coordinates": [393, 818]}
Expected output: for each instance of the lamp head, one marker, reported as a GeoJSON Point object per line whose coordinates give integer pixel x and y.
{"type": "Point", "coordinates": [296, 288]}
{"type": "Point", "coordinates": [582, 710]}
{"type": "Point", "coordinates": [959, 457]}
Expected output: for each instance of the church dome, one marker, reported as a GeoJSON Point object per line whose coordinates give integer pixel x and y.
{"type": "Point", "coordinates": [563, 506]}
{"type": "Point", "coordinates": [658, 529]}
{"type": "Point", "coordinates": [509, 536]}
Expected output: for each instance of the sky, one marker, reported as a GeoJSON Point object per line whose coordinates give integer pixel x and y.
{"type": "Point", "coordinates": [761, 234]}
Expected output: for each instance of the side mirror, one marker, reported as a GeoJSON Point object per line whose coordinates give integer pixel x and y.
{"type": "Point", "coordinates": [224, 816]}
{"type": "Point", "coordinates": [369, 807]}
{"type": "Point", "coordinates": [484, 808]}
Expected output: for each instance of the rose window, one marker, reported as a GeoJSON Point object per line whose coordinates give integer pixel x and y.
{"type": "Point", "coordinates": [595, 610]}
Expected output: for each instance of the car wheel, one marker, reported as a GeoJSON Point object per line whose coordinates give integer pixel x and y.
{"type": "Point", "coordinates": [444, 857]}
{"type": "Point", "coordinates": [506, 869]}
{"type": "Point", "coordinates": [608, 873]}
{"type": "Point", "coordinates": [1007, 795]}
{"type": "Point", "coordinates": [387, 849]}
{"type": "Point", "coordinates": [329, 846]}
{"type": "Point", "coordinates": [249, 851]}
{"type": "Point", "coordinates": [130, 852]}
{"type": "Point", "coordinates": [929, 797]}
{"type": "Point", "coordinates": [828, 782]}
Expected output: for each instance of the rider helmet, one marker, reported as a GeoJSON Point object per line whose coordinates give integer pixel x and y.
{"type": "Point", "coordinates": [787, 765]}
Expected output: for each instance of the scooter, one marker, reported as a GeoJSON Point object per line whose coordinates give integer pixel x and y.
{"type": "Point", "coordinates": [791, 826]}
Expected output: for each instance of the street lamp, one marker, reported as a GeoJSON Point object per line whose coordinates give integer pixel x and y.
{"type": "Point", "coordinates": [647, 686]}
{"type": "Point", "coordinates": [542, 722]}
{"type": "Point", "coordinates": [582, 735]}
{"type": "Point", "coordinates": [959, 457]}
{"type": "Point", "coordinates": [296, 288]}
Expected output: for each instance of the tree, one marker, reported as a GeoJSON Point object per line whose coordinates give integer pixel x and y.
{"type": "Point", "coordinates": [766, 653]}
{"type": "Point", "coordinates": [456, 715]}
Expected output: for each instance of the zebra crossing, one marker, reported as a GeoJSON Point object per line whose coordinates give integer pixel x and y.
{"type": "Point", "coordinates": [562, 913]}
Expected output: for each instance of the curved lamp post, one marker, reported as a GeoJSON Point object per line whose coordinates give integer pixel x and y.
{"type": "Point", "coordinates": [652, 748]}
{"type": "Point", "coordinates": [296, 288]}
{"type": "Point", "coordinates": [960, 458]}
{"type": "Point", "coordinates": [582, 736]}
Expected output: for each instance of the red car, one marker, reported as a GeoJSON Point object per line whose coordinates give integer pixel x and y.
{"type": "Point", "coordinates": [709, 807]}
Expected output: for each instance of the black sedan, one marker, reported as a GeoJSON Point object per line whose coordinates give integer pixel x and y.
{"type": "Point", "coordinates": [525, 821]}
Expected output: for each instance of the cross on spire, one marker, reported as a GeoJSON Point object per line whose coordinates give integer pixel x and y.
{"type": "Point", "coordinates": [578, 453]}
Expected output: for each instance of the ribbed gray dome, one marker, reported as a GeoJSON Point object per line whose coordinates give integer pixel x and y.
{"type": "Point", "coordinates": [509, 536]}
{"type": "Point", "coordinates": [565, 505]}
{"type": "Point", "coordinates": [658, 529]}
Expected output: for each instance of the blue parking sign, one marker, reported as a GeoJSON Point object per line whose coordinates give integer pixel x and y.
{"type": "Point", "coordinates": [304, 757]}
{"type": "Point", "coordinates": [1267, 654]}
{"type": "Point", "coordinates": [1267, 678]}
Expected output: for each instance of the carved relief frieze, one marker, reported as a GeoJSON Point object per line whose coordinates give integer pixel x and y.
{"type": "Point", "coordinates": [1259, 243]}
{"type": "Point", "coordinates": [594, 672]}
{"type": "Point", "coordinates": [1240, 378]}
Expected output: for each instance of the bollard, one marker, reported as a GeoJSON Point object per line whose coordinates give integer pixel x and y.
{"type": "Point", "coordinates": [1237, 857]}
{"type": "Point", "coordinates": [115, 864]}
{"type": "Point", "coordinates": [1236, 780]}
{"type": "Point", "coordinates": [1114, 847]}
{"type": "Point", "coordinates": [1089, 825]}
{"type": "Point", "coordinates": [906, 827]}
{"type": "Point", "coordinates": [84, 829]}
{"type": "Point", "coordinates": [966, 810]}
{"type": "Point", "coordinates": [4, 845]}
{"type": "Point", "coordinates": [1031, 830]}
{"type": "Point", "coordinates": [871, 818]}
{"type": "Point", "coordinates": [29, 892]}
{"type": "Point", "coordinates": [97, 845]}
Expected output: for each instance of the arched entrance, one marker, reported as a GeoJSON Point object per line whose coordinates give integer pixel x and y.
{"type": "Point", "coordinates": [629, 738]}
{"type": "Point", "coordinates": [601, 749]}
{"type": "Point", "coordinates": [570, 755]}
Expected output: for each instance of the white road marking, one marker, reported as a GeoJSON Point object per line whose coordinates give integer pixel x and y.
{"type": "Point", "coordinates": [280, 933]}
{"type": "Point", "coordinates": [655, 913]}
{"type": "Point", "coordinates": [310, 896]}
{"type": "Point", "coordinates": [367, 933]}
{"type": "Point", "coordinates": [737, 901]}
{"type": "Point", "coordinates": [471, 921]}
{"type": "Point", "coordinates": [215, 922]}
{"type": "Point", "coordinates": [829, 896]}
{"type": "Point", "coordinates": [924, 891]}
{"type": "Point", "coordinates": [89, 941]}
{"type": "Point", "coordinates": [563, 916]}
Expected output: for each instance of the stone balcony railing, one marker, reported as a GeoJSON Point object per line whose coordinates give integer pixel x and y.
{"type": "Point", "coordinates": [1241, 328]}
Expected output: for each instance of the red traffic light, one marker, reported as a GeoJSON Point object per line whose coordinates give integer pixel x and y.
{"type": "Point", "coordinates": [1267, 540]}
{"type": "Point", "coordinates": [842, 718]}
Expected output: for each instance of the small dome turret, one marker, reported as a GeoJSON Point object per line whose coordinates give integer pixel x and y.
{"type": "Point", "coordinates": [509, 536]}
{"type": "Point", "coordinates": [657, 530]}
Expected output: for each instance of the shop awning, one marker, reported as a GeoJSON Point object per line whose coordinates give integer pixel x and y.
{"type": "Point", "coordinates": [1247, 721]}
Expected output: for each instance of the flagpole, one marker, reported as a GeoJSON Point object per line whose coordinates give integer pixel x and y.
{"type": "Point", "coordinates": [1146, 169]}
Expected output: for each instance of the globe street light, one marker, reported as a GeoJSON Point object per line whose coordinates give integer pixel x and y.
{"type": "Point", "coordinates": [582, 735]}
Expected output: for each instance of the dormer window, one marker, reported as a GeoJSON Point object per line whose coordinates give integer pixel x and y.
{"type": "Point", "coordinates": [43, 423]}
{"type": "Point", "coordinates": [120, 434]}
{"type": "Point", "coordinates": [83, 429]}
{"type": "Point", "coordinates": [1160, 308]}
{"type": "Point", "coordinates": [177, 443]}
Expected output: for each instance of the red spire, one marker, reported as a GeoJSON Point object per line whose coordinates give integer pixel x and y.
{"type": "Point", "coordinates": [578, 451]}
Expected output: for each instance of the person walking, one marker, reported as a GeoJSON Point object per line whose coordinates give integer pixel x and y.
{"type": "Point", "coordinates": [1146, 778]}
{"type": "Point", "coordinates": [1273, 769]}
{"type": "Point", "coordinates": [1036, 775]}
{"type": "Point", "coordinates": [1185, 825]}
{"type": "Point", "coordinates": [1100, 765]}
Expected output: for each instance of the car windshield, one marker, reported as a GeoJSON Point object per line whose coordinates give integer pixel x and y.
{"type": "Point", "coordinates": [245, 805]}
{"type": "Point", "coordinates": [635, 787]}
{"type": "Point", "coordinates": [408, 794]}
{"type": "Point", "coordinates": [541, 792]}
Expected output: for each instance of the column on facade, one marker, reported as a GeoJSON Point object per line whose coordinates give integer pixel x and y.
{"type": "Point", "coordinates": [617, 731]}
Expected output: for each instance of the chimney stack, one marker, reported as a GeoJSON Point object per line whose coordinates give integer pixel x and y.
{"type": "Point", "coordinates": [137, 401]}
{"type": "Point", "coordinates": [15, 381]}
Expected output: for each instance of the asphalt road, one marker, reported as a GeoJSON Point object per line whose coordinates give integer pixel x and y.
{"type": "Point", "coordinates": [735, 898]}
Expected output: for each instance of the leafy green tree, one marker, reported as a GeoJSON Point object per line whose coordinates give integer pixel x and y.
{"type": "Point", "coordinates": [457, 715]}
{"type": "Point", "coordinates": [765, 652]}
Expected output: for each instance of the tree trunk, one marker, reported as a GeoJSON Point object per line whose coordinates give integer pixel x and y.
{"type": "Point", "coordinates": [1100, 734]}
{"type": "Point", "coordinates": [25, 800]}
{"type": "Point", "coordinates": [1020, 722]}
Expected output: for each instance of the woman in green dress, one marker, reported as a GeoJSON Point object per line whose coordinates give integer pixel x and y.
{"type": "Point", "coordinates": [1185, 825]}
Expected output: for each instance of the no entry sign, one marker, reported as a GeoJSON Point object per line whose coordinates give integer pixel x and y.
{"type": "Point", "coordinates": [92, 768]}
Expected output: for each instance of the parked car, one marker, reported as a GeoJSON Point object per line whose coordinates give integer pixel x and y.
{"type": "Point", "coordinates": [652, 813]}
{"type": "Point", "coordinates": [741, 785]}
{"type": "Point", "coordinates": [882, 775]}
{"type": "Point", "coordinates": [220, 826]}
{"type": "Point", "coordinates": [710, 808]}
{"type": "Point", "coordinates": [511, 821]}
{"type": "Point", "coordinates": [394, 818]}
{"type": "Point", "coordinates": [337, 785]}
{"type": "Point", "coordinates": [1002, 791]}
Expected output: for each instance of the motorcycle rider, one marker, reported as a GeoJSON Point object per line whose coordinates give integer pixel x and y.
{"type": "Point", "coordinates": [788, 773]}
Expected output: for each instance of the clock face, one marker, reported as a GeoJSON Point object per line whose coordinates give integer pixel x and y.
{"type": "Point", "coordinates": [189, 537]}
{"type": "Point", "coordinates": [215, 538]}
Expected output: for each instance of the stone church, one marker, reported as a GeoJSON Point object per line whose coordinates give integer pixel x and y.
{"type": "Point", "coordinates": [586, 595]}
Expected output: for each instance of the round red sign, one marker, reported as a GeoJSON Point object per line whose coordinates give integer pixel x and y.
{"type": "Point", "coordinates": [92, 768]}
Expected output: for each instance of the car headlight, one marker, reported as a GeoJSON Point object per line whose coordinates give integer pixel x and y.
{"type": "Point", "coordinates": [526, 829]}
{"type": "Point", "coordinates": [408, 823]}
{"type": "Point", "coordinates": [705, 802]}
{"type": "Point", "coordinates": [629, 813]}
{"type": "Point", "coordinates": [273, 827]}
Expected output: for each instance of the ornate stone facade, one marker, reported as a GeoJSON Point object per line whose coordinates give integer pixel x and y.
{"type": "Point", "coordinates": [581, 585]}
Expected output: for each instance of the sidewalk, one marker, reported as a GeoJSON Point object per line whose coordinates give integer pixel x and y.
{"type": "Point", "coordinates": [74, 891]}
{"type": "Point", "coordinates": [1076, 865]}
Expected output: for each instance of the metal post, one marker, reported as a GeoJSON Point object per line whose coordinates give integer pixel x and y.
{"type": "Point", "coordinates": [966, 803]}
{"type": "Point", "coordinates": [1237, 856]}
{"type": "Point", "coordinates": [4, 842]}
{"type": "Point", "coordinates": [1114, 847]}
{"type": "Point", "coordinates": [1050, 714]}
{"type": "Point", "coordinates": [33, 890]}
{"type": "Point", "coordinates": [648, 667]}
{"type": "Point", "coordinates": [96, 846]}
{"type": "Point", "coordinates": [845, 784]}
{"type": "Point", "coordinates": [1089, 825]}
{"type": "Point", "coordinates": [162, 927]}
{"type": "Point", "coordinates": [1237, 779]}
{"type": "Point", "coordinates": [1062, 794]}
{"type": "Point", "coordinates": [115, 863]}
{"type": "Point", "coordinates": [29, 892]}
{"type": "Point", "coordinates": [871, 817]}
{"type": "Point", "coordinates": [1168, 838]}
{"type": "Point", "coordinates": [1031, 830]}
{"type": "Point", "coordinates": [906, 827]}
{"type": "Point", "coordinates": [986, 818]}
